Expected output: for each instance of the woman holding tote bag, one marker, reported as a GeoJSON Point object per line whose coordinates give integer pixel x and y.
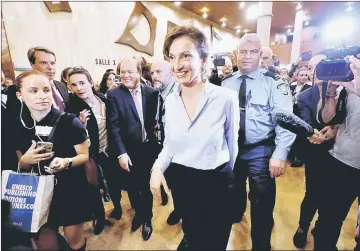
{"type": "Point", "coordinates": [70, 206]}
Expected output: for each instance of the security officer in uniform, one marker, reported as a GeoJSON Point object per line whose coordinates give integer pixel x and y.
{"type": "Point", "coordinates": [263, 145]}
{"type": "Point", "coordinates": [165, 83]}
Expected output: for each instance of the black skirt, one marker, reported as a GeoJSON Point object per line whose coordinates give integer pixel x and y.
{"type": "Point", "coordinates": [71, 203]}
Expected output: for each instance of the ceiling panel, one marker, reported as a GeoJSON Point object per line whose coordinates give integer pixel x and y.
{"type": "Point", "coordinates": [283, 12]}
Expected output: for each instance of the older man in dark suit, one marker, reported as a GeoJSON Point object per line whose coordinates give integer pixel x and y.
{"type": "Point", "coordinates": [131, 116]}
{"type": "Point", "coordinates": [44, 60]}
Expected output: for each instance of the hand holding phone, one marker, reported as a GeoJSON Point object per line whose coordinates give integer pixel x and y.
{"type": "Point", "coordinates": [47, 146]}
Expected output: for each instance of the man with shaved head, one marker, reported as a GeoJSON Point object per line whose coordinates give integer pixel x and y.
{"type": "Point", "coordinates": [165, 83]}
{"type": "Point", "coordinates": [263, 145]}
{"type": "Point", "coordinates": [266, 58]}
{"type": "Point", "coordinates": [131, 115]}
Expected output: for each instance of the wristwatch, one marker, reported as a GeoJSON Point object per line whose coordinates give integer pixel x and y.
{"type": "Point", "coordinates": [69, 164]}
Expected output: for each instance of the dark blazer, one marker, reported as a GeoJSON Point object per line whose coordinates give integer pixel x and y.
{"type": "Point", "coordinates": [63, 91]}
{"type": "Point", "coordinates": [75, 106]}
{"type": "Point", "coordinates": [124, 126]}
{"type": "Point", "coordinates": [307, 105]}
{"type": "Point", "coordinates": [305, 87]}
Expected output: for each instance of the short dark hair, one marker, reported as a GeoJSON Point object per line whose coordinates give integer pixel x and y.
{"type": "Point", "coordinates": [31, 53]}
{"type": "Point", "coordinates": [82, 70]}
{"type": "Point", "coordinates": [64, 74]}
{"type": "Point", "coordinates": [195, 34]}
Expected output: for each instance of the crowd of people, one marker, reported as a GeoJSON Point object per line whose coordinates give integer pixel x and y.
{"type": "Point", "coordinates": [171, 129]}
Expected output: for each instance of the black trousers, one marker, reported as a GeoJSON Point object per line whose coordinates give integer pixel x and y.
{"type": "Point", "coordinates": [315, 169]}
{"type": "Point", "coordinates": [138, 184]}
{"type": "Point", "coordinates": [204, 199]}
{"type": "Point", "coordinates": [112, 174]}
{"type": "Point", "coordinates": [341, 188]}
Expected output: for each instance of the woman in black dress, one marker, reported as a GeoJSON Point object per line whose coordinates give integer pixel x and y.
{"type": "Point", "coordinates": [70, 206]}
{"type": "Point", "coordinates": [90, 107]}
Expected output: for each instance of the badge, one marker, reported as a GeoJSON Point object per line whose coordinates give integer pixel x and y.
{"type": "Point", "coordinates": [283, 88]}
{"type": "Point", "coordinates": [43, 130]}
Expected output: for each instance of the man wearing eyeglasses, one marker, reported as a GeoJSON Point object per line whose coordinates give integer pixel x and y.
{"type": "Point", "coordinates": [263, 145]}
{"type": "Point", "coordinates": [44, 60]}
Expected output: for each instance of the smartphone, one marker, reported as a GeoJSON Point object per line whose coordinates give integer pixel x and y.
{"type": "Point", "coordinates": [117, 78]}
{"type": "Point", "coordinates": [47, 145]}
{"type": "Point", "coordinates": [306, 56]}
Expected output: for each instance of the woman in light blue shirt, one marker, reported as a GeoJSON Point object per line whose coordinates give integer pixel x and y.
{"type": "Point", "coordinates": [200, 147]}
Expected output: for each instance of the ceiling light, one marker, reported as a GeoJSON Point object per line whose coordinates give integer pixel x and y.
{"type": "Point", "coordinates": [349, 8]}
{"type": "Point", "coordinates": [298, 6]}
{"type": "Point", "coordinates": [242, 5]}
{"type": "Point", "coordinates": [56, 2]}
{"type": "Point", "coordinates": [205, 15]}
{"type": "Point", "coordinates": [177, 3]}
{"type": "Point", "coordinates": [253, 11]}
{"type": "Point", "coordinates": [339, 30]}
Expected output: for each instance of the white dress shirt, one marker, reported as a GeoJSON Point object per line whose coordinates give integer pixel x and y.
{"type": "Point", "coordinates": [207, 142]}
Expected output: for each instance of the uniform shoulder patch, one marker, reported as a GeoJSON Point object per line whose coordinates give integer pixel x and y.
{"type": "Point", "coordinates": [283, 88]}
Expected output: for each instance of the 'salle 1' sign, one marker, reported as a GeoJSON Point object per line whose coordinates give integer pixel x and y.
{"type": "Point", "coordinates": [102, 61]}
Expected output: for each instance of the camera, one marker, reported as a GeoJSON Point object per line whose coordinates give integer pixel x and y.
{"type": "Point", "coordinates": [336, 67]}
{"type": "Point", "coordinates": [219, 60]}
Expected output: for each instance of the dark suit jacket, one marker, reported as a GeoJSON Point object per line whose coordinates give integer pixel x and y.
{"type": "Point", "coordinates": [63, 91]}
{"type": "Point", "coordinates": [124, 126]}
{"type": "Point", "coordinates": [76, 105]}
{"type": "Point", "coordinates": [307, 105]}
{"type": "Point", "coordinates": [305, 87]}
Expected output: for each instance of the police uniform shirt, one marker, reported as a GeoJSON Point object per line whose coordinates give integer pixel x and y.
{"type": "Point", "coordinates": [265, 95]}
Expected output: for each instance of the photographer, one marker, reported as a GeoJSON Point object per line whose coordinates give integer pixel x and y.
{"type": "Point", "coordinates": [341, 183]}
{"type": "Point", "coordinates": [312, 152]}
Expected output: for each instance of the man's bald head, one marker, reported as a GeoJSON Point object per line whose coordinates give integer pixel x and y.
{"type": "Point", "coordinates": [161, 74]}
{"type": "Point", "coordinates": [130, 72]}
{"type": "Point", "coordinates": [314, 61]}
{"type": "Point", "coordinates": [266, 58]}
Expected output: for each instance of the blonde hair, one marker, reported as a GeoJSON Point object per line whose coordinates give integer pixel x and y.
{"type": "Point", "coordinates": [19, 79]}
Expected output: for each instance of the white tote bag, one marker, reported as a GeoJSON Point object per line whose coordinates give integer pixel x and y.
{"type": "Point", "coordinates": [30, 196]}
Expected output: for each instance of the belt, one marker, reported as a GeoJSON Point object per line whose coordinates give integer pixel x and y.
{"type": "Point", "coordinates": [268, 141]}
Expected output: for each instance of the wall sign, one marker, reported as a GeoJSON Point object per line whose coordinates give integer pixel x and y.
{"type": "Point", "coordinates": [105, 61]}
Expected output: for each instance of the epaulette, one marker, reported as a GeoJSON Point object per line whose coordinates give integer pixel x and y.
{"type": "Point", "coordinates": [271, 74]}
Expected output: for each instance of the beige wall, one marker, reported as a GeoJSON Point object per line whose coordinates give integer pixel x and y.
{"type": "Point", "coordinates": [90, 31]}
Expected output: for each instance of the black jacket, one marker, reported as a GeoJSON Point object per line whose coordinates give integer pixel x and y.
{"type": "Point", "coordinates": [124, 128]}
{"type": "Point", "coordinates": [307, 105]}
{"type": "Point", "coordinates": [75, 106]}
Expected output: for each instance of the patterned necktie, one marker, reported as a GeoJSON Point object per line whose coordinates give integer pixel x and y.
{"type": "Point", "coordinates": [59, 103]}
{"type": "Point", "coordinates": [134, 93]}
{"type": "Point", "coordinates": [242, 105]}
